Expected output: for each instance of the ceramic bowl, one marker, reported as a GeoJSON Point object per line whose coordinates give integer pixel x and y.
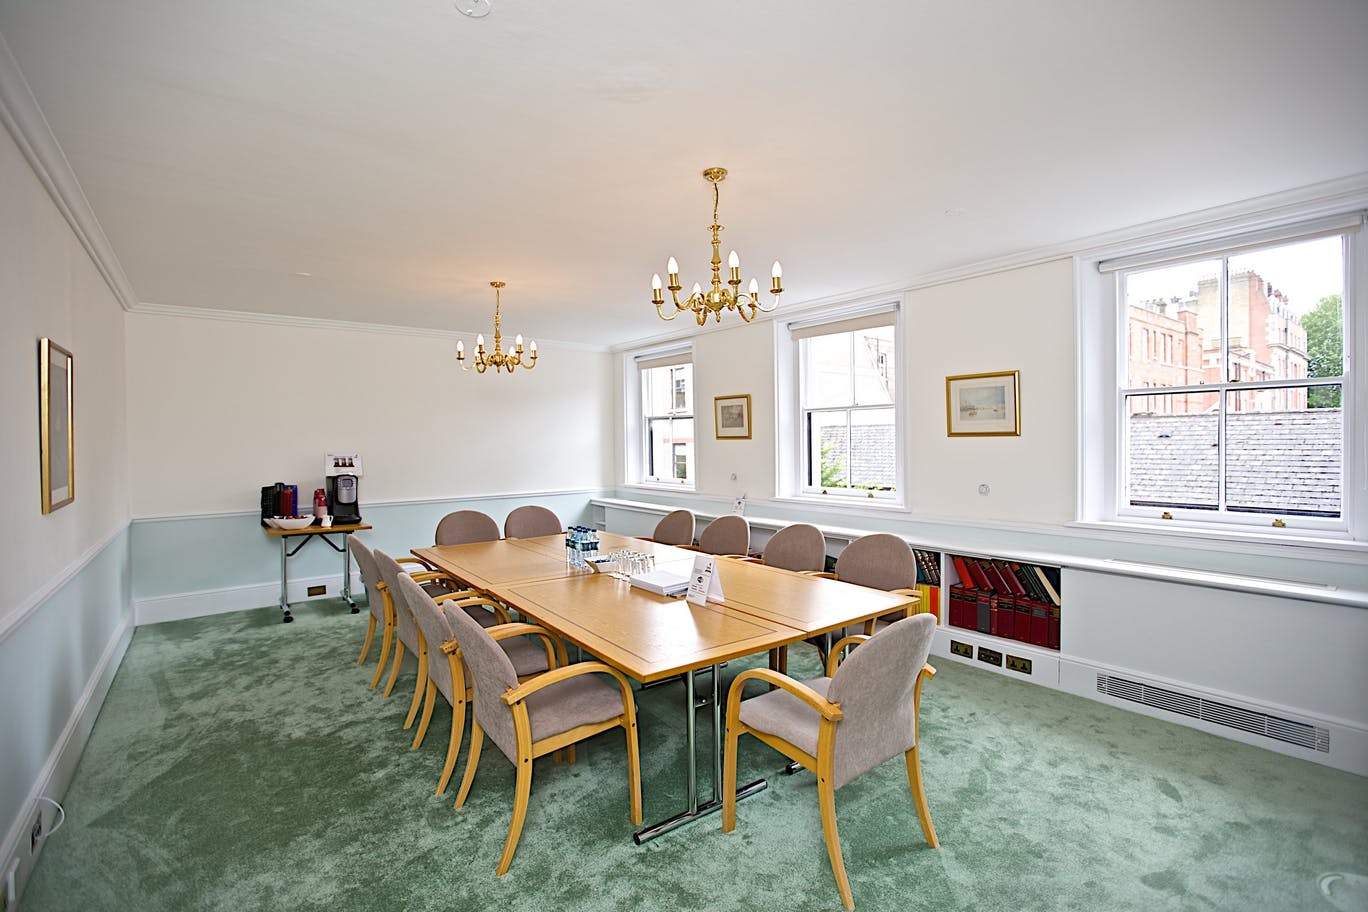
{"type": "Point", "coordinates": [298, 522]}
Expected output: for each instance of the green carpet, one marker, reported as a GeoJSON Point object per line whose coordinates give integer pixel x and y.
{"type": "Point", "coordinates": [242, 764]}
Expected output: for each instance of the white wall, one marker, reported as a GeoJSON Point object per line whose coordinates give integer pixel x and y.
{"type": "Point", "coordinates": [218, 408]}
{"type": "Point", "coordinates": [65, 608]}
{"type": "Point", "coordinates": [1017, 320]}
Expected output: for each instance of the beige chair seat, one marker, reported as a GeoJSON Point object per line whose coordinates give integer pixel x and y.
{"type": "Point", "coordinates": [781, 713]}
{"type": "Point", "coordinates": [558, 708]}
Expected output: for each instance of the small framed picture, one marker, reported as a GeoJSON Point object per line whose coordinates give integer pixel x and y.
{"type": "Point", "coordinates": [733, 417]}
{"type": "Point", "coordinates": [983, 405]}
{"type": "Point", "coordinates": [56, 413]}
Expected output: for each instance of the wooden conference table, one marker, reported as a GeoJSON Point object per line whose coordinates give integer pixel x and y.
{"type": "Point", "coordinates": [652, 637]}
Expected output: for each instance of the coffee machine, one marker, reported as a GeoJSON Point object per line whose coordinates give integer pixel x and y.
{"type": "Point", "coordinates": [341, 477]}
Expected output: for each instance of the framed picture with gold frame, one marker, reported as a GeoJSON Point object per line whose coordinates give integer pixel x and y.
{"type": "Point", "coordinates": [56, 409]}
{"type": "Point", "coordinates": [732, 417]}
{"type": "Point", "coordinates": [983, 405]}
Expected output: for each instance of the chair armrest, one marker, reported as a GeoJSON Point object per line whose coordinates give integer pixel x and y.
{"type": "Point", "coordinates": [564, 673]}
{"type": "Point", "coordinates": [500, 610]}
{"type": "Point", "coordinates": [555, 649]}
{"type": "Point", "coordinates": [823, 706]}
{"type": "Point", "coordinates": [837, 648]}
{"type": "Point", "coordinates": [458, 594]}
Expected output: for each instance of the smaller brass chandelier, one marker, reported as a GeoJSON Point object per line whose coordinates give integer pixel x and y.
{"type": "Point", "coordinates": [722, 296]}
{"type": "Point", "coordinates": [498, 359]}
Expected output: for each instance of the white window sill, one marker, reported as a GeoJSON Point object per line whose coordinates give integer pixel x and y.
{"type": "Point", "coordinates": [1335, 546]}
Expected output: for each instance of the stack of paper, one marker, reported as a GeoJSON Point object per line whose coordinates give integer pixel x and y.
{"type": "Point", "coordinates": [662, 582]}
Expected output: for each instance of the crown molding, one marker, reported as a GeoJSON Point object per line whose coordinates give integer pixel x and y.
{"type": "Point", "coordinates": [26, 122]}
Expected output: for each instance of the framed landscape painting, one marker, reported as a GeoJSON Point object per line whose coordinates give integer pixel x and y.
{"type": "Point", "coordinates": [732, 415]}
{"type": "Point", "coordinates": [983, 405]}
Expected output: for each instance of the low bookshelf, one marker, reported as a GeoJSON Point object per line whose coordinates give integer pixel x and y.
{"type": "Point", "coordinates": [1007, 599]}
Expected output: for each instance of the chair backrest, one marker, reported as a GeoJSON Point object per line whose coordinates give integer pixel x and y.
{"type": "Point", "coordinates": [728, 534]}
{"type": "Point", "coordinates": [875, 686]}
{"type": "Point", "coordinates": [879, 561]}
{"type": "Point", "coordinates": [677, 528]}
{"type": "Point", "coordinates": [530, 520]}
{"type": "Point", "coordinates": [465, 526]}
{"type": "Point", "coordinates": [491, 675]}
{"type": "Point", "coordinates": [436, 630]}
{"type": "Point", "coordinates": [797, 547]}
{"type": "Point", "coordinates": [370, 575]}
{"type": "Point", "coordinates": [404, 626]}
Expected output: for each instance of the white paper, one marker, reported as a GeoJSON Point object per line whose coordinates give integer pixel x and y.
{"type": "Point", "coordinates": [661, 582]}
{"type": "Point", "coordinates": [739, 505]}
{"type": "Point", "coordinates": [705, 585]}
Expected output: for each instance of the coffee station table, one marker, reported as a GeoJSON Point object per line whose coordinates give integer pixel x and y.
{"type": "Point", "coordinates": [304, 536]}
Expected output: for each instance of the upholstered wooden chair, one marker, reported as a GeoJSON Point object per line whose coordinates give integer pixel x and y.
{"type": "Point", "coordinates": [677, 528]}
{"type": "Point", "coordinates": [801, 548]}
{"type": "Point", "coordinates": [381, 612]}
{"type": "Point", "coordinates": [880, 561]}
{"type": "Point", "coordinates": [446, 672]}
{"type": "Point", "coordinates": [530, 521]}
{"type": "Point", "coordinates": [727, 535]}
{"type": "Point", "coordinates": [551, 711]}
{"type": "Point", "coordinates": [841, 726]}
{"type": "Point", "coordinates": [407, 634]}
{"type": "Point", "coordinates": [465, 526]}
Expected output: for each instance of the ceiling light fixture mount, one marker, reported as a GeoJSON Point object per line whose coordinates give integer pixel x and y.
{"type": "Point", "coordinates": [722, 296]}
{"type": "Point", "coordinates": [498, 359]}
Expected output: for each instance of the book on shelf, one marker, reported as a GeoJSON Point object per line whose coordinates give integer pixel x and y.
{"type": "Point", "coordinates": [1048, 586]}
{"type": "Point", "coordinates": [928, 567]}
{"type": "Point", "coordinates": [979, 576]}
{"type": "Point", "coordinates": [962, 569]}
{"type": "Point", "coordinates": [1004, 570]}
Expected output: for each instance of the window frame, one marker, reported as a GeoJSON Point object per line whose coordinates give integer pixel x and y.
{"type": "Point", "coordinates": [639, 423]}
{"type": "Point", "coordinates": [791, 458]}
{"type": "Point", "coordinates": [1102, 353]}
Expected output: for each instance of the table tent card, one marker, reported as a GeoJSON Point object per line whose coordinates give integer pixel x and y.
{"type": "Point", "coordinates": [705, 585]}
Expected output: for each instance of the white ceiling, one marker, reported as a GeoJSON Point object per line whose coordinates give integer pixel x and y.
{"type": "Point", "coordinates": [404, 154]}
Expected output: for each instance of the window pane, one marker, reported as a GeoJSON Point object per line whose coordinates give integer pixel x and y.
{"type": "Point", "coordinates": [828, 449]}
{"type": "Point", "coordinates": [1284, 302]}
{"type": "Point", "coordinates": [1172, 456]}
{"type": "Point", "coordinates": [826, 366]}
{"type": "Point", "coordinates": [666, 390]}
{"type": "Point", "coordinates": [873, 451]}
{"type": "Point", "coordinates": [1173, 325]}
{"type": "Point", "coordinates": [1281, 456]}
{"type": "Point", "coordinates": [669, 444]}
{"type": "Point", "coordinates": [873, 363]}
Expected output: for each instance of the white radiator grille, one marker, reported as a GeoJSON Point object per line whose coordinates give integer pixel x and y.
{"type": "Point", "coordinates": [1196, 707]}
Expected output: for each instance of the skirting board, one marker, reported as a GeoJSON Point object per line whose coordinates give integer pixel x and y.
{"type": "Point", "coordinates": [185, 605]}
{"type": "Point", "coordinates": [61, 762]}
{"type": "Point", "coordinates": [1348, 743]}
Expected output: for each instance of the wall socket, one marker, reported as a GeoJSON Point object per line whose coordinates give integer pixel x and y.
{"type": "Point", "coordinates": [317, 590]}
{"type": "Point", "coordinates": [8, 894]}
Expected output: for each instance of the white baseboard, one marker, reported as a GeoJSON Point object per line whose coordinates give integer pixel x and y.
{"type": "Point", "coordinates": [60, 766]}
{"type": "Point", "coordinates": [184, 605]}
{"type": "Point", "coordinates": [1348, 742]}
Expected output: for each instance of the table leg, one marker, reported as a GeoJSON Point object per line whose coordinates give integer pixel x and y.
{"type": "Point", "coordinates": [693, 809]}
{"type": "Point", "coordinates": [346, 572]}
{"type": "Point", "coordinates": [284, 582]}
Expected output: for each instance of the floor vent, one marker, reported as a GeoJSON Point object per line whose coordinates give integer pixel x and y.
{"type": "Point", "coordinates": [1195, 707]}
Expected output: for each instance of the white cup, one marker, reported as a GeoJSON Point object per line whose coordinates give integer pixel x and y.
{"type": "Point", "coordinates": [324, 520]}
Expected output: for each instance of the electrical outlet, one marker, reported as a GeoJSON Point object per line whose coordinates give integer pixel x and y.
{"type": "Point", "coordinates": [36, 831]}
{"type": "Point", "coordinates": [10, 892]}
{"type": "Point", "coordinates": [317, 590]}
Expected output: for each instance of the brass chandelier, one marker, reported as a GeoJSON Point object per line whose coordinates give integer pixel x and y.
{"type": "Point", "coordinates": [722, 296]}
{"type": "Point", "coordinates": [498, 359]}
